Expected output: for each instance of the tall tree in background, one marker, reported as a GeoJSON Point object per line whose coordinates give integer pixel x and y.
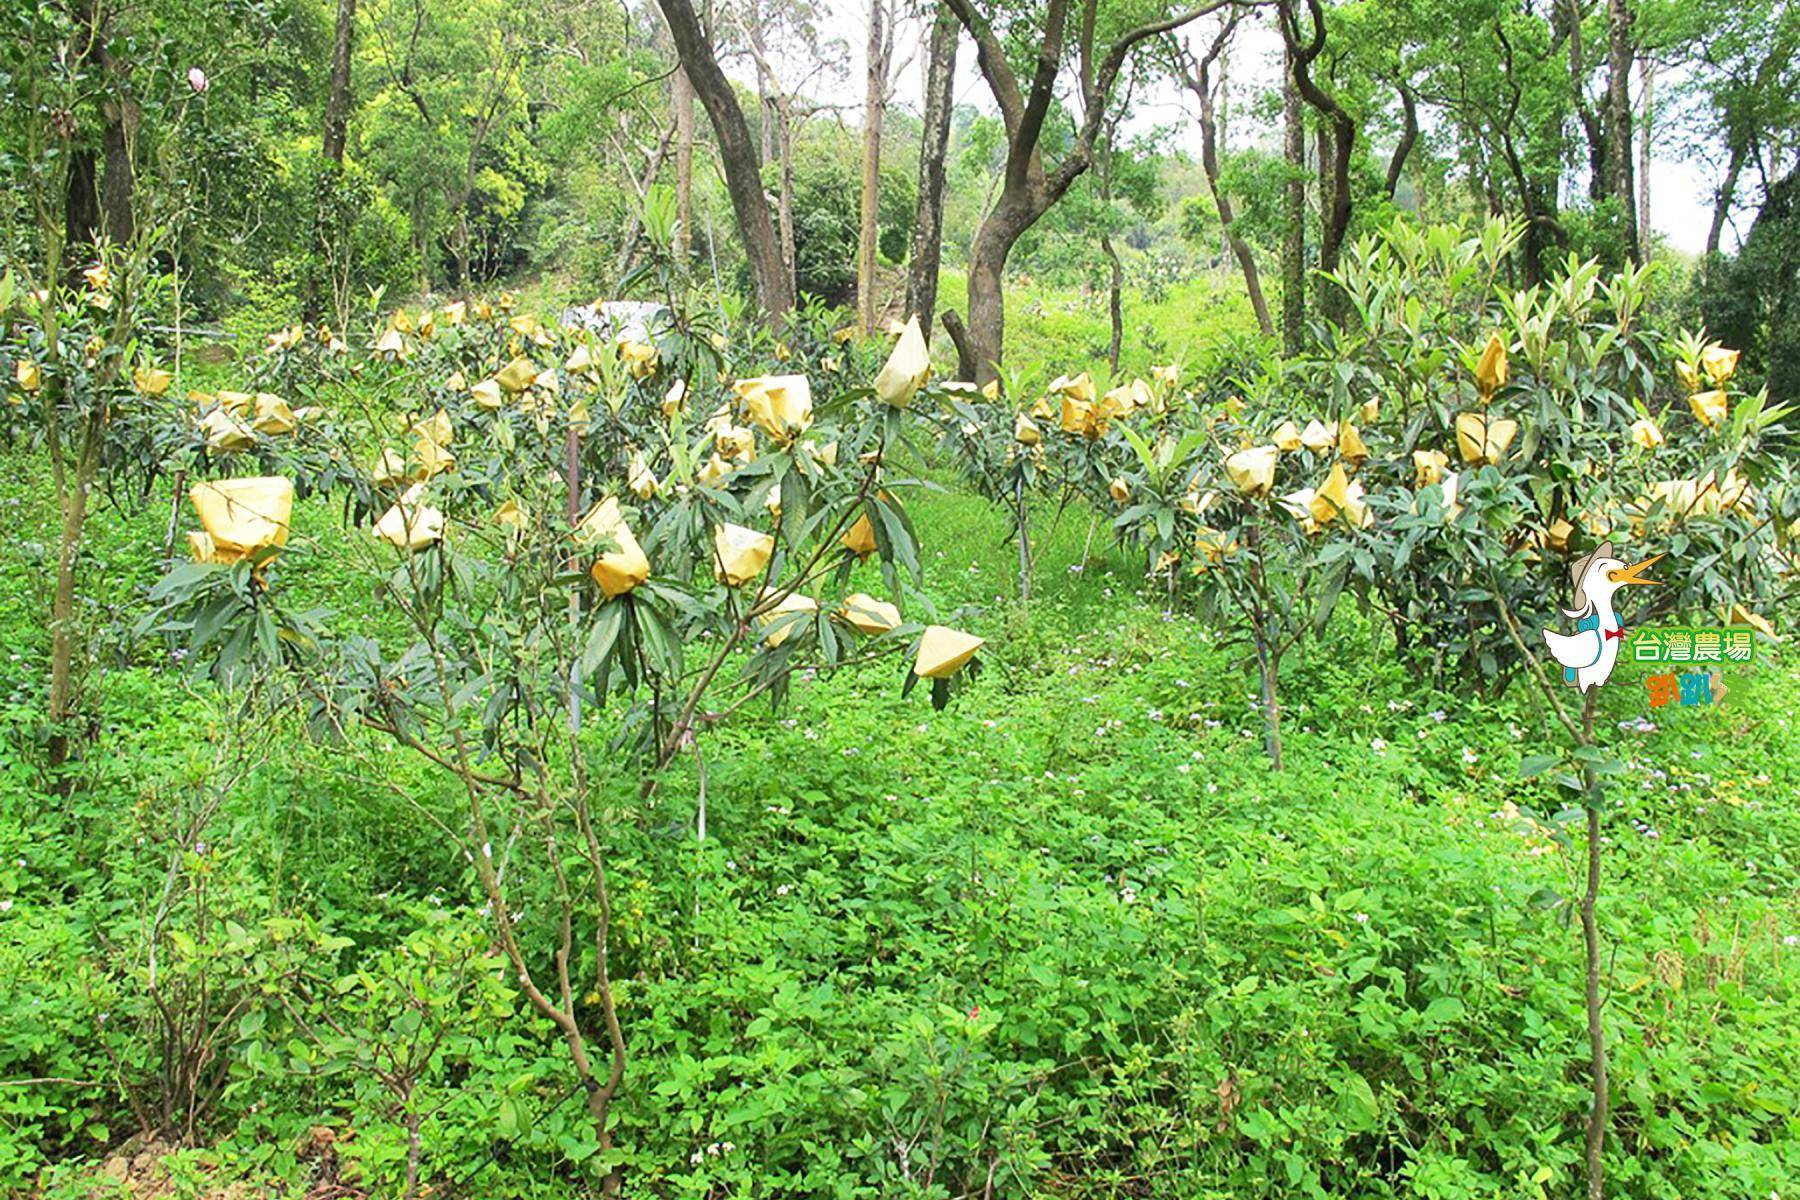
{"type": "Point", "coordinates": [337, 95]}
{"type": "Point", "coordinates": [457, 67]}
{"type": "Point", "coordinates": [1745, 86]}
{"type": "Point", "coordinates": [1293, 245]}
{"type": "Point", "coordinates": [1197, 75]}
{"type": "Point", "coordinates": [330, 227]}
{"type": "Point", "coordinates": [778, 35]}
{"type": "Point", "coordinates": [934, 144]}
{"type": "Point", "coordinates": [1028, 187]}
{"type": "Point", "coordinates": [100, 186]}
{"type": "Point", "coordinates": [1337, 137]}
{"type": "Point", "coordinates": [737, 157]}
{"type": "Point", "coordinates": [1621, 53]}
{"type": "Point", "coordinates": [880, 56]}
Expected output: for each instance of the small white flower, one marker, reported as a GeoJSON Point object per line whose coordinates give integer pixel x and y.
{"type": "Point", "coordinates": [1379, 746]}
{"type": "Point", "coordinates": [1470, 757]}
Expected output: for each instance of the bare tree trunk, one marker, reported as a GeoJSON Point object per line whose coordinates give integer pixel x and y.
{"type": "Point", "coordinates": [1409, 137]}
{"type": "Point", "coordinates": [1198, 77]}
{"type": "Point", "coordinates": [784, 208]}
{"type": "Point", "coordinates": [737, 155]}
{"type": "Point", "coordinates": [337, 96]}
{"type": "Point", "coordinates": [1115, 296]}
{"type": "Point", "coordinates": [681, 94]}
{"type": "Point", "coordinates": [413, 1145]}
{"type": "Point", "coordinates": [328, 237]}
{"type": "Point", "coordinates": [934, 143]}
{"type": "Point", "coordinates": [1322, 173]}
{"type": "Point", "coordinates": [1619, 55]}
{"type": "Point", "coordinates": [1647, 75]}
{"type": "Point", "coordinates": [1334, 175]}
{"type": "Point", "coordinates": [1293, 250]}
{"type": "Point", "coordinates": [81, 204]}
{"type": "Point", "coordinates": [1567, 22]}
{"type": "Point", "coordinates": [987, 298]}
{"type": "Point", "coordinates": [83, 220]}
{"type": "Point", "coordinates": [874, 105]}
{"type": "Point", "coordinates": [1727, 195]}
{"type": "Point", "coordinates": [1268, 676]}
{"type": "Point", "coordinates": [965, 347]}
{"type": "Point", "coordinates": [117, 135]}
{"type": "Point", "coordinates": [1115, 291]}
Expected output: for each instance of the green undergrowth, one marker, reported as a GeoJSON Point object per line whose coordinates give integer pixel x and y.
{"type": "Point", "coordinates": [1071, 936]}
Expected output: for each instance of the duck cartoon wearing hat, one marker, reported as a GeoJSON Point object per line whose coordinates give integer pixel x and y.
{"type": "Point", "coordinates": [1589, 654]}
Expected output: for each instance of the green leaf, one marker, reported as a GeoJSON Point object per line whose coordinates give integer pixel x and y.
{"type": "Point", "coordinates": [1536, 764]}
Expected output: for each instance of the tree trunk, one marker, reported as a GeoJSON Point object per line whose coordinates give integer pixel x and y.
{"type": "Point", "coordinates": [337, 96]}
{"type": "Point", "coordinates": [965, 348]}
{"type": "Point", "coordinates": [681, 94]}
{"type": "Point", "coordinates": [82, 218]}
{"type": "Point", "coordinates": [1322, 171]}
{"type": "Point", "coordinates": [987, 272]}
{"type": "Point", "coordinates": [1409, 137]}
{"type": "Point", "coordinates": [1269, 674]}
{"type": "Point", "coordinates": [1334, 174]}
{"type": "Point", "coordinates": [1293, 248]}
{"type": "Point", "coordinates": [1619, 55]}
{"type": "Point", "coordinates": [737, 155]}
{"type": "Point", "coordinates": [1115, 288]}
{"type": "Point", "coordinates": [1199, 81]}
{"type": "Point", "coordinates": [934, 143]}
{"type": "Point", "coordinates": [328, 236]}
{"type": "Point", "coordinates": [875, 101]}
{"type": "Point", "coordinates": [1647, 74]}
{"type": "Point", "coordinates": [119, 181]}
{"type": "Point", "coordinates": [784, 208]}
{"type": "Point", "coordinates": [1115, 297]}
{"type": "Point", "coordinates": [1727, 195]}
{"type": "Point", "coordinates": [81, 205]}
{"type": "Point", "coordinates": [1567, 23]}
{"type": "Point", "coordinates": [460, 235]}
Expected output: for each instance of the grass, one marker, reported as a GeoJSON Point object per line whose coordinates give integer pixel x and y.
{"type": "Point", "coordinates": [1070, 937]}
{"type": "Point", "coordinates": [1054, 329]}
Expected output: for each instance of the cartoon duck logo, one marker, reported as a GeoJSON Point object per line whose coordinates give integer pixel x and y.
{"type": "Point", "coordinates": [1589, 654]}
